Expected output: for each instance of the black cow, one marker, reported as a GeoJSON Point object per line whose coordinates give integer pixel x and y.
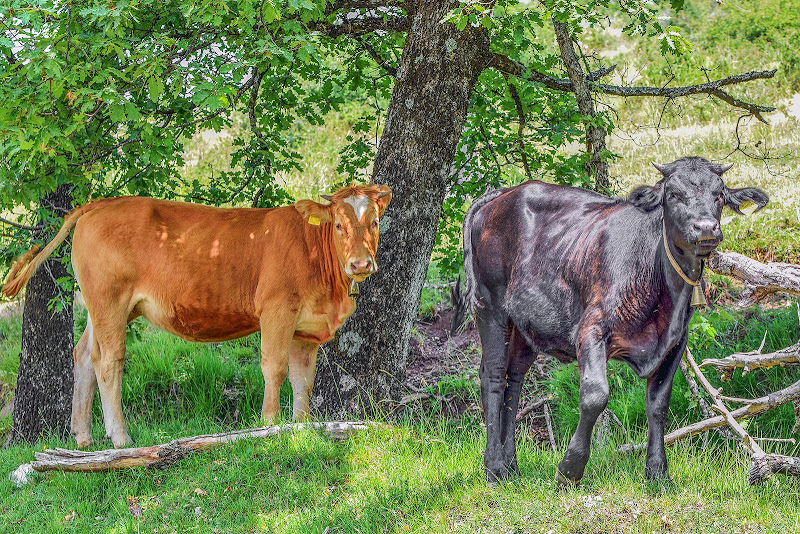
{"type": "Point", "coordinates": [578, 275]}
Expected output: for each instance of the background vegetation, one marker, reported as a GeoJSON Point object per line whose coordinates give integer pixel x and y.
{"type": "Point", "coordinates": [424, 474]}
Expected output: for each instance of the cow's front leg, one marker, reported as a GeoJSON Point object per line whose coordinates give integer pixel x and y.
{"type": "Point", "coordinates": [493, 329]}
{"type": "Point", "coordinates": [276, 336]}
{"type": "Point", "coordinates": [593, 397]}
{"type": "Point", "coordinates": [302, 365]}
{"type": "Point", "coordinates": [659, 391]}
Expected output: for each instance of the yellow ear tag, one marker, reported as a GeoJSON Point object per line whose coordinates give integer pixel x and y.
{"type": "Point", "coordinates": [313, 219]}
{"type": "Point", "coordinates": [747, 207]}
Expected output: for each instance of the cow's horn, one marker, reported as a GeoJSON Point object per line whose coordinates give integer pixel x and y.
{"type": "Point", "coordinates": [384, 193]}
{"type": "Point", "coordinates": [327, 197]}
{"type": "Point", "coordinates": [723, 167]}
{"type": "Point", "coordinates": [661, 168]}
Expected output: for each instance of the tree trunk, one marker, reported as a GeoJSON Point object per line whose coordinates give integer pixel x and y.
{"type": "Point", "coordinates": [365, 364]}
{"type": "Point", "coordinates": [43, 397]}
{"type": "Point", "coordinates": [596, 166]}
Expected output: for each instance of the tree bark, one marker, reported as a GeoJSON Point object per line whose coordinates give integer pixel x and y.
{"type": "Point", "coordinates": [365, 364]}
{"type": "Point", "coordinates": [43, 396]}
{"type": "Point", "coordinates": [596, 166]}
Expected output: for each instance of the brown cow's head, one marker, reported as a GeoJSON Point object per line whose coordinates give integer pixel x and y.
{"type": "Point", "coordinates": [354, 213]}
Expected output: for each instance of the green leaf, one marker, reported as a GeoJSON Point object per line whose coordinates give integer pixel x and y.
{"type": "Point", "coordinates": [155, 88]}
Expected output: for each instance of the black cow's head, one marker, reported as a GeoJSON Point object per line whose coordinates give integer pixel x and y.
{"type": "Point", "coordinates": [692, 196]}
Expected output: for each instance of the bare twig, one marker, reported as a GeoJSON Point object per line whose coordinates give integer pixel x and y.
{"type": "Point", "coordinates": [533, 406]}
{"type": "Point", "coordinates": [548, 421]}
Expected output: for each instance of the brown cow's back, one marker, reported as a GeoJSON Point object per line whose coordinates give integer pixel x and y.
{"type": "Point", "coordinates": [192, 270]}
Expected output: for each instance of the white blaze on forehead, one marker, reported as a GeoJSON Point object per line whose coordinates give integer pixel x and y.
{"type": "Point", "coordinates": [360, 203]}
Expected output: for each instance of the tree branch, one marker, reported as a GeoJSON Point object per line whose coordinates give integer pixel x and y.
{"type": "Point", "coordinates": [352, 5]}
{"type": "Point", "coordinates": [755, 407]}
{"type": "Point", "coordinates": [378, 59]}
{"type": "Point", "coordinates": [520, 139]}
{"type": "Point", "coordinates": [360, 24]}
{"type": "Point", "coordinates": [508, 66]}
{"type": "Point", "coordinates": [20, 226]}
{"type": "Point", "coordinates": [753, 360]}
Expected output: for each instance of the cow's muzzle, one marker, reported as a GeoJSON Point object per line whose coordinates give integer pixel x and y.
{"type": "Point", "coordinates": [361, 268]}
{"type": "Point", "coordinates": [708, 235]}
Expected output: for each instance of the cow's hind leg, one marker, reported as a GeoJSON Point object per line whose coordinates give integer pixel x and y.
{"type": "Point", "coordinates": [84, 386]}
{"type": "Point", "coordinates": [108, 356]}
{"type": "Point", "coordinates": [521, 358]}
{"type": "Point", "coordinates": [493, 329]}
{"type": "Point", "coordinates": [302, 366]}
{"type": "Point", "coordinates": [593, 397]}
{"type": "Point", "coordinates": [659, 390]}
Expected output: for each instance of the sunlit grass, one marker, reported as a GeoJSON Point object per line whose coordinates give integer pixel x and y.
{"type": "Point", "coordinates": [424, 477]}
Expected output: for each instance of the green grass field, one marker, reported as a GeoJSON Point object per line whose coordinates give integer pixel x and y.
{"type": "Point", "coordinates": [413, 477]}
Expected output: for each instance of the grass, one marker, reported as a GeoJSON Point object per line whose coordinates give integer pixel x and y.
{"type": "Point", "coordinates": [412, 477]}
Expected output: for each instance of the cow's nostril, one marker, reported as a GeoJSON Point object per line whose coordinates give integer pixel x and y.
{"type": "Point", "coordinates": [706, 228]}
{"type": "Point", "coordinates": [361, 266]}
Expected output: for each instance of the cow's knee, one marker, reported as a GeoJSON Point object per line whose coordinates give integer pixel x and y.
{"type": "Point", "coordinates": [593, 399]}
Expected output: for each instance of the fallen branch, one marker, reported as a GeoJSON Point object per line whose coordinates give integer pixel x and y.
{"type": "Point", "coordinates": [753, 360]}
{"type": "Point", "coordinates": [748, 442]}
{"type": "Point", "coordinates": [760, 279]}
{"type": "Point", "coordinates": [770, 464]}
{"type": "Point", "coordinates": [753, 408]}
{"type": "Point", "coordinates": [160, 456]}
{"type": "Point", "coordinates": [549, 422]}
{"type": "Point", "coordinates": [701, 402]}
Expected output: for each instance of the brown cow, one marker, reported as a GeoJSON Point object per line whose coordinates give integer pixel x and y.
{"type": "Point", "coordinates": [213, 274]}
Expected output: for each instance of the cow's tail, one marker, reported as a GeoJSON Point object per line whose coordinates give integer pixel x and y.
{"type": "Point", "coordinates": [26, 265]}
{"type": "Point", "coordinates": [470, 300]}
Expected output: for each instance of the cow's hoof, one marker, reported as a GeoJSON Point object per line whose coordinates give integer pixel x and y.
{"type": "Point", "coordinates": [83, 440]}
{"type": "Point", "coordinates": [512, 470]}
{"type": "Point", "coordinates": [661, 483]}
{"type": "Point", "coordinates": [120, 440]}
{"type": "Point", "coordinates": [495, 477]}
{"type": "Point", "coordinates": [564, 482]}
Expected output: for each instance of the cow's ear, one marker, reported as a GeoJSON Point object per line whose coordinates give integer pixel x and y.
{"type": "Point", "coordinates": [384, 197]}
{"type": "Point", "coordinates": [647, 198]}
{"type": "Point", "coordinates": [738, 199]}
{"type": "Point", "coordinates": [313, 212]}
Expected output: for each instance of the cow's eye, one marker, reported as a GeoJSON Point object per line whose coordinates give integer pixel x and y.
{"type": "Point", "coordinates": [338, 226]}
{"type": "Point", "coordinates": [375, 223]}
